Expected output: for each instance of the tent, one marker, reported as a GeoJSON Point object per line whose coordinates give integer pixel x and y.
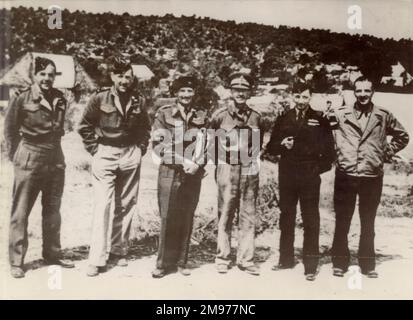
{"type": "Point", "coordinates": [142, 72]}
{"type": "Point", "coordinates": [70, 73]}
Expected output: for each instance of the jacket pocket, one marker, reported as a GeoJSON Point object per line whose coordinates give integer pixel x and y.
{"type": "Point", "coordinates": [109, 116]}
{"type": "Point", "coordinates": [34, 161]}
{"type": "Point", "coordinates": [16, 156]}
{"type": "Point", "coordinates": [34, 116]}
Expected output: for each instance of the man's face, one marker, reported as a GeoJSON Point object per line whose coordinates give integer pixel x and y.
{"type": "Point", "coordinates": [363, 91]}
{"type": "Point", "coordinates": [302, 100]}
{"type": "Point", "coordinates": [185, 96]}
{"type": "Point", "coordinates": [122, 81]}
{"type": "Point", "coordinates": [240, 95]}
{"type": "Point", "coordinates": [45, 78]}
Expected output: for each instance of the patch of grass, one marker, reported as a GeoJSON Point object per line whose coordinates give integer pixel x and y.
{"type": "Point", "coordinates": [396, 206]}
{"type": "Point", "coordinates": [401, 167]}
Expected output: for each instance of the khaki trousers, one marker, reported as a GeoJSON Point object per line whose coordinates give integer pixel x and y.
{"type": "Point", "coordinates": [237, 193]}
{"type": "Point", "coordinates": [116, 173]}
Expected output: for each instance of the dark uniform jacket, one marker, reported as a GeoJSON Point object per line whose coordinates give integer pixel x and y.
{"type": "Point", "coordinates": [104, 121]}
{"type": "Point", "coordinates": [313, 139]}
{"type": "Point", "coordinates": [34, 118]}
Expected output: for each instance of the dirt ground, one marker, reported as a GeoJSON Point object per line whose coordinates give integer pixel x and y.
{"type": "Point", "coordinates": [394, 246]}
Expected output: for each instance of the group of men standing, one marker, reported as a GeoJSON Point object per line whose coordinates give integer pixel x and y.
{"type": "Point", "coordinates": [116, 130]}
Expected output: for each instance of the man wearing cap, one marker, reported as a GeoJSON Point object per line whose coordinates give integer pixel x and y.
{"type": "Point", "coordinates": [179, 140]}
{"type": "Point", "coordinates": [33, 128]}
{"type": "Point", "coordinates": [237, 137]}
{"type": "Point", "coordinates": [303, 138]}
{"type": "Point", "coordinates": [115, 129]}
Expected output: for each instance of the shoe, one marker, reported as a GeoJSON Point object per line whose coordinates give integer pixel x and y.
{"type": "Point", "coordinates": [310, 277]}
{"type": "Point", "coordinates": [17, 272]}
{"type": "Point", "coordinates": [253, 270]}
{"type": "Point", "coordinates": [372, 274]}
{"type": "Point", "coordinates": [92, 271]}
{"type": "Point", "coordinates": [118, 260]}
{"type": "Point", "coordinates": [159, 273]}
{"type": "Point", "coordinates": [122, 262]}
{"type": "Point", "coordinates": [59, 262]}
{"type": "Point", "coordinates": [222, 268]}
{"type": "Point", "coordinates": [283, 266]}
{"type": "Point", "coordinates": [338, 272]}
{"type": "Point", "coordinates": [184, 271]}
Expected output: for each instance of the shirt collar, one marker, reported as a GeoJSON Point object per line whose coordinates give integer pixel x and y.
{"type": "Point", "coordinates": [304, 111]}
{"type": "Point", "coordinates": [358, 109]}
{"type": "Point", "coordinates": [36, 92]}
{"type": "Point", "coordinates": [113, 92]}
{"type": "Point", "coordinates": [116, 99]}
{"type": "Point", "coordinates": [234, 111]}
{"type": "Point", "coordinates": [178, 108]}
{"type": "Point", "coordinates": [39, 97]}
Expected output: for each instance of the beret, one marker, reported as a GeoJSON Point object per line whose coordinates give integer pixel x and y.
{"type": "Point", "coordinates": [183, 82]}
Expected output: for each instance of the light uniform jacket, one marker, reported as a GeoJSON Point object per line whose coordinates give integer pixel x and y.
{"type": "Point", "coordinates": [173, 132]}
{"type": "Point", "coordinates": [231, 121]}
{"type": "Point", "coordinates": [363, 153]}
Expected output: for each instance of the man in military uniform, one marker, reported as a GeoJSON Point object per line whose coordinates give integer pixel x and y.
{"type": "Point", "coordinates": [303, 138]}
{"type": "Point", "coordinates": [237, 136]}
{"type": "Point", "coordinates": [179, 139]}
{"type": "Point", "coordinates": [361, 133]}
{"type": "Point", "coordinates": [33, 128]}
{"type": "Point", "coordinates": [115, 130]}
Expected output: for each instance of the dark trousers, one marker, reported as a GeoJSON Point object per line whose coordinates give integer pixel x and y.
{"type": "Point", "coordinates": [346, 189]}
{"type": "Point", "coordinates": [178, 195]}
{"type": "Point", "coordinates": [299, 182]}
{"type": "Point", "coordinates": [37, 168]}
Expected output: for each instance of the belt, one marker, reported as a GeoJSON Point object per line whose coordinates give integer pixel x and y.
{"type": "Point", "coordinates": [47, 138]}
{"type": "Point", "coordinates": [114, 143]}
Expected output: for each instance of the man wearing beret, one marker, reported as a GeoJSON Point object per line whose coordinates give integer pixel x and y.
{"type": "Point", "coordinates": [33, 128]}
{"type": "Point", "coordinates": [303, 138]}
{"type": "Point", "coordinates": [115, 129]}
{"type": "Point", "coordinates": [179, 140]}
{"type": "Point", "coordinates": [237, 137]}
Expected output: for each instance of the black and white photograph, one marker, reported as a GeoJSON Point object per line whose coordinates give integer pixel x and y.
{"type": "Point", "coordinates": [206, 150]}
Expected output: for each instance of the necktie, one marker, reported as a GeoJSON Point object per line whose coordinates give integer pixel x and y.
{"type": "Point", "coordinates": [300, 115]}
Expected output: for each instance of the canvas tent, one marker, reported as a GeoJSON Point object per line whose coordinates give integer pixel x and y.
{"type": "Point", "coordinates": [142, 72]}
{"type": "Point", "coordinates": [70, 73]}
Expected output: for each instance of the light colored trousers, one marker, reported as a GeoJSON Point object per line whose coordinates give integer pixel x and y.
{"type": "Point", "coordinates": [116, 172]}
{"type": "Point", "coordinates": [237, 193]}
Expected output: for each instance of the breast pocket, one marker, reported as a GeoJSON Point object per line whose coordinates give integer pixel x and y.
{"type": "Point", "coordinates": [109, 117]}
{"type": "Point", "coordinates": [134, 118]}
{"type": "Point", "coordinates": [34, 116]}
